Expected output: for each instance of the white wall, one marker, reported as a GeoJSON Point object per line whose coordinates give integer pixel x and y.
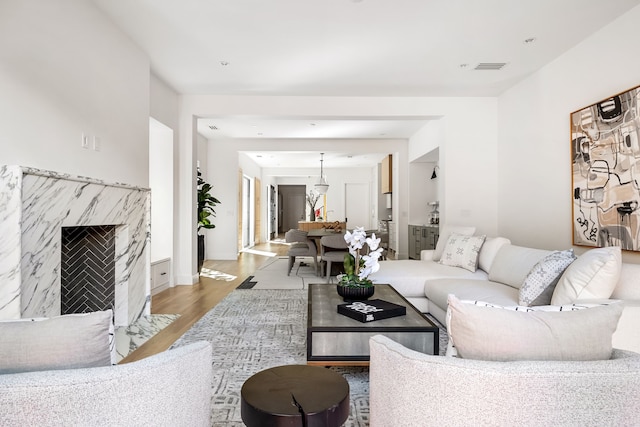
{"type": "Point", "coordinates": [164, 108]}
{"type": "Point", "coordinates": [534, 142]}
{"type": "Point", "coordinates": [66, 70]}
{"type": "Point", "coordinates": [423, 190]}
{"type": "Point", "coordinates": [430, 137]}
{"type": "Point", "coordinates": [337, 179]}
{"type": "Point", "coordinates": [161, 184]}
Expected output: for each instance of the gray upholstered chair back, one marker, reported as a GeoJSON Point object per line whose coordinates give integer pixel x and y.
{"type": "Point", "coordinates": [332, 249]}
{"type": "Point", "coordinates": [295, 235]}
{"type": "Point", "coordinates": [301, 245]}
{"type": "Point", "coordinates": [335, 242]}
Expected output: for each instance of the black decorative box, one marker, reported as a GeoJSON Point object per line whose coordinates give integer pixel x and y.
{"type": "Point", "coordinates": [370, 310]}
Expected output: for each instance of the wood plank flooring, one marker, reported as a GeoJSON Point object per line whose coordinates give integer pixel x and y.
{"type": "Point", "coordinates": [193, 302]}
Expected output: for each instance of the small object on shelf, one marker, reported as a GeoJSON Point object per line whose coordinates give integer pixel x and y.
{"type": "Point", "coordinates": [434, 216]}
{"type": "Point", "coordinates": [369, 311]}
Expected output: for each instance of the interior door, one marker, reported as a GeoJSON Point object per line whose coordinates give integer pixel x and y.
{"type": "Point", "coordinates": [357, 203]}
{"type": "Point", "coordinates": [294, 211]}
{"type": "Point", "coordinates": [293, 205]}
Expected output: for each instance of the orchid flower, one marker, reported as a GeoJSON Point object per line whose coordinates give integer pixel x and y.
{"type": "Point", "coordinates": [356, 241]}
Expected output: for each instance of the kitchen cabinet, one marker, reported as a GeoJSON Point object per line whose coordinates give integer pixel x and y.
{"type": "Point", "coordinates": [422, 237]}
{"type": "Point", "coordinates": [386, 175]}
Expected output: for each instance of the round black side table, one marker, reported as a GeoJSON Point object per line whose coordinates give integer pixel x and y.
{"type": "Point", "coordinates": [295, 396]}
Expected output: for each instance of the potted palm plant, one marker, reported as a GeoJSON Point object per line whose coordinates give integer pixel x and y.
{"type": "Point", "coordinates": [206, 203]}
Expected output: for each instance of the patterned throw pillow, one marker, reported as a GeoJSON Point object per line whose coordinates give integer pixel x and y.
{"type": "Point", "coordinates": [462, 251]}
{"type": "Point", "coordinates": [541, 281]}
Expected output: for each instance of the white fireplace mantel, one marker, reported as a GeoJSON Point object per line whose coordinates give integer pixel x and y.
{"type": "Point", "coordinates": [34, 206]}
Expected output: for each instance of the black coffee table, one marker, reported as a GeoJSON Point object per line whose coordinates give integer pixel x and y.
{"type": "Point", "coordinates": [295, 395]}
{"type": "Point", "coordinates": [335, 339]}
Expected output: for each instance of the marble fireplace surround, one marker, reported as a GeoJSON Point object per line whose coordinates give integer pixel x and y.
{"type": "Point", "coordinates": [34, 206]}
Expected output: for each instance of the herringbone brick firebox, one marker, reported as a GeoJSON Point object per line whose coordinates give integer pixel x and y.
{"type": "Point", "coordinates": [88, 269]}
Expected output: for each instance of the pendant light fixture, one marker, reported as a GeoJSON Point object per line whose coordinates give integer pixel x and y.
{"type": "Point", "coordinates": [322, 186]}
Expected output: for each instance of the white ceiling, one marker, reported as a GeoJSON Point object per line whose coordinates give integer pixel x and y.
{"type": "Point", "coordinates": [306, 159]}
{"type": "Point", "coordinates": [350, 48]}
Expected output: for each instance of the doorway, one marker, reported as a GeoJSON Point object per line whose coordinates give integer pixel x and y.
{"type": "Point", "coordinates": [246, 212]}
{"type": "Point", "coordinates": [272, 212]}
{"type": "Point", "coordinates": [292, 206]}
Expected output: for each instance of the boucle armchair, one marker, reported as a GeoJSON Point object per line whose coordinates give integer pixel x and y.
{"type": "Point", "coordinates": [411, 388]}
{"type": "Point", "coordinates": [172, 388]}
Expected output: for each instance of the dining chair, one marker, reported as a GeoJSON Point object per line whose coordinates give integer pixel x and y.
{"type": "Point", "coordinates": [332, 249]}
{"type": "Point", "coordinates": [301, 245]}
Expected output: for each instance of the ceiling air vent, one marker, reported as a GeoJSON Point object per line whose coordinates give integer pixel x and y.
{"type": "Point", "coordinates": [213, 127]}
{"type": "Point", "coordinates": [490, 66]}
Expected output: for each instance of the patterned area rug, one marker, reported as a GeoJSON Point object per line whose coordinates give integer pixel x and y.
{"type": "Point", "coordinates": [252, 330]}
{"type": "Point", "coordinates": [273, 274]}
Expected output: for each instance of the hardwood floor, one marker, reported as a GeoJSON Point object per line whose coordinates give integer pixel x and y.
{"type": "Point", "coordinates": [193, 302]}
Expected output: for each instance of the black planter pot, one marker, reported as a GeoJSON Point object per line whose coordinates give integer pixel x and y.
{"type": "Point", "coordinates": [200, 252]}
{"type": "Point", "coordinates": [355, 293]}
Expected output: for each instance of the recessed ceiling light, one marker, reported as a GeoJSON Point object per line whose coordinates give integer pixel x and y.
{"type": "Point", "coordinates": [224, 63]}
{"type": "Point", "coordinates": [464, 65]}
{"type": "Point", "coordinates": [312, 124]}
{"type": "Point", "coordinates": [259, 133]}
{"type": "Point", "coordinates": [529, 40]}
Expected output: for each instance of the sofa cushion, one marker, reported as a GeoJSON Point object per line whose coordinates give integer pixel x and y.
{"type": "Point", "coordinates": [489, 251]}
{"type": "Point", "coordinates": [512, 264]}
{"type": "Point", "coordinates": [443, 238]}
{"type": "Point", "coordinates": [408, 276]}
{"type": "Point", "coordinates": [491, 333]}
{"type": "Point", "coordinates": [63, 342]}
{"type": "Point", "coordinates": [593, 275]}
{"type": "Point", "coordinates": [437, 291]}
{"type": "Point", "coordinates": [462, 251]}
{"type": "Point", "coordinates": [541, 281]}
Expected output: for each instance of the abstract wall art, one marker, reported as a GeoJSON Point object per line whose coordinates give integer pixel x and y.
{"type": "Point", "coordinates": [605, 162]}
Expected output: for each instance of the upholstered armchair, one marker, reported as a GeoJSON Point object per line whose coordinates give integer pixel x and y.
{"type": "Point", "coordinates": [301, 245]}
{"type": "Point", "coordinates": [412, 388]}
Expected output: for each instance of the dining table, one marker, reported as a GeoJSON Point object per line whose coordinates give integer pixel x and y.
{"type": "Point", "coordinates": [319, 233]}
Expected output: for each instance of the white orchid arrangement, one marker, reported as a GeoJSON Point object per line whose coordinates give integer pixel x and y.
{"type": "Point", "coordinates": [358, 267]}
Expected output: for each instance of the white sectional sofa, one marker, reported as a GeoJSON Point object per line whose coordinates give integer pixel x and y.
{"type": "Point", "coordinates": [501, 270]}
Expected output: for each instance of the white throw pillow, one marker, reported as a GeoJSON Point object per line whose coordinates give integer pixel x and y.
{"type": "Point", "coordinates": [489, 251]}
{"type": "Point", "coordinates": [512, 264]}
{"type": "Point", "coordinates": [487, 332]}
{"type": "Point", "coordinates": [443, 237]}
{"type": "Point", "coordinates": [63, 342]}
{"type": "Point", "coordinates": [538, 286]}
{"type": "Point", "coordinates": [594, 275]}
{"type": "Point", "coordinates": [462, 251]}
